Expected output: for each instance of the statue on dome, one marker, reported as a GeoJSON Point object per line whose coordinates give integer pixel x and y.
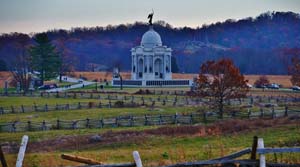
{"type": "Point", "coordinates": [150, 16]}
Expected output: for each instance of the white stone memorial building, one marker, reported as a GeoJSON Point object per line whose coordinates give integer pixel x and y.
{"type": "Point", "coordinates": [151, 64]}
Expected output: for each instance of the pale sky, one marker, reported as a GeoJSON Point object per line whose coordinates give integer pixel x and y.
{"type": "Point", "coordinates": [42, 15]}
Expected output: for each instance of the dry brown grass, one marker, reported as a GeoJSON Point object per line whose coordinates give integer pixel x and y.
{"type": "Point", "coordinates": [284, 80]}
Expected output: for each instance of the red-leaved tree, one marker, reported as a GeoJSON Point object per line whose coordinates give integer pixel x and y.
{"type": "Point", "coordinates": [294, 70]}
{"type": "Point", "coordinates": [221, 80]}
{"type": "Point", "coordinates": [262, 81]}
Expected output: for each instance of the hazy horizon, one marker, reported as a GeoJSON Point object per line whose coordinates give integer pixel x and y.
{"type": "Point", "coordinates": [39, 16]}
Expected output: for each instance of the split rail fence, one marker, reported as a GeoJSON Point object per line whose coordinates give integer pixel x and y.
{"type": "Point", "coordinates": [138, 120]}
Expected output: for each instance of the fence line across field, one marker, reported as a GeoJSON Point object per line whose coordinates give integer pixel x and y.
{"type": "Point", "coordinates": [131, 120]}
{"type": "Point", "coordinates": [96, 95]}
{"type": "Point", "coordinates": [134, 101]}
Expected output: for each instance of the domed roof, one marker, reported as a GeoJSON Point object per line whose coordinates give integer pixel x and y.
{"type": "Point", "coordinates": [151, 39]}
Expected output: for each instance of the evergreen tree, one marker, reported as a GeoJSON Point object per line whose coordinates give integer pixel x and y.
{"type": "Point", "coordinates": [44, 58]}
{"type": "Point", "coordinates": [3, 66]}
{"type": "Point", "coordinates": [174, 65]}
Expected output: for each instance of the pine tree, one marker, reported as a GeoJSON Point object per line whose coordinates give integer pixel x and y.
{"type": "Point", "coordinates": [44, 58]}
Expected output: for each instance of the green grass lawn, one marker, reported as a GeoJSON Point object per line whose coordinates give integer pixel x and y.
{"type": "Point", "coordinates": [91, 113]}
{"type": "Point", "coordinates": [155, 150]}
{"type": "Point", "coordinates": [29, 101]}
{"type": "Point", "coordinates": [162, 150]}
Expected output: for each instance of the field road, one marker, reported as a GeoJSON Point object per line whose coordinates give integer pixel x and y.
{"type": "Point", "coordinates": [71, 80]}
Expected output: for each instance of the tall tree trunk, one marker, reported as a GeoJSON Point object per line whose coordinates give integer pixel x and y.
{"type": "Point", "coordinates": [221, 108]}
{"type": "Point", "coordinates": [42, 77]}
{"type": "Point", "coordinates": [60, 77]}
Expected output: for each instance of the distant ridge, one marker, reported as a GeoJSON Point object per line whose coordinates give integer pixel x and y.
{"type": "Point", "coordinates": [257, 45]}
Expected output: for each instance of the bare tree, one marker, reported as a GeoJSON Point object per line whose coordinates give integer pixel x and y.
{"type": "Point", "coordinates": [20, 66]}
{"type": "Point", "coordinates": [68, 61]}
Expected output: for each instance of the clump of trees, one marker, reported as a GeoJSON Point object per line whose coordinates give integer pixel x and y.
{"type": "Point", "coordinates": [42, 57]}
{"type": "Point", "coordinates": [247, 41]}
{"type": "Point", "coordinates": [262, 81]}
{"type": "Point", "coordinates": [221, 81]}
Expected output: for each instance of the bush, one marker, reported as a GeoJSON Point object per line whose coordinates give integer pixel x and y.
{"type": "Point", "coordinates": [119, 104]}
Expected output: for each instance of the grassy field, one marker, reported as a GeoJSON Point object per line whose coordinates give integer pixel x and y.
{"type": "Point", "coordinates": [92, 113]}
{"type": "Point", "coordinates": [29, 101]}
{"type": "Point", "coordinates": [157, 145]}
{"type": "Point", "coordinates": [163, 149]}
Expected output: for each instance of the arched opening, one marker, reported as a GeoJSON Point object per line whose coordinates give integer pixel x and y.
{"type": "Point", "coordinates": [158, 68]}
{"type": "Point", "coordinates": [140, 68]}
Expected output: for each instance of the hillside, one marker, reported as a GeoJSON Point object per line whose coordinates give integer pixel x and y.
{"type": "Point", "coordinates": [260, 45]}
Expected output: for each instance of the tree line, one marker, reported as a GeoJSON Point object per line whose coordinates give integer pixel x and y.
{"type": "Point", "coordinates": [245, 41]}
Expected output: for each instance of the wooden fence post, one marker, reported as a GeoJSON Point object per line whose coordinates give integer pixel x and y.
{"type": "Point", "coordinates": [117, 122]}
{"type": "Point", "coordinates": [174, 102]}
{"type": "Point", "coordinates": [56, 106]}
{"type": "Point", "coordinates": [1, 110]}
{"type": "Point", "coordinates": [249, 113]}
{"type": "Point", "coordinates": [191, 118]}
{"type": "Point", "coordinates": [204, 117]}
{"type": "Point", "coordinates": [137, 159]}
{"type": "Point", "coordinates": [109, 104]}
{"type": "Point", "coordinates": [160, 119]}
{"type": "Point", "coordinates": [186, 101]}
{"type": "Point", "coordinates": [143, 101]}
{"type": "Point", "coordinates": [273, 112]}
{"type": "Point", "coordinates": [87, 123]}
{"type": "Point", "coordinates": [74, 124]}
{"type": "Point", "coordinates": [79, 105]}
{"type": "Point", "coordinates": [12, 109]}
{"type": "Point", "coordinates": [13, 127]}
{"type": "Point", "coordinates": [254, 147]}
{"type": "Point", "coordinates": [101, 123]}
{"type": "Point", "coordinates": [146, 120]}
{"type": "Point", "coordinates": [22, 108]}
{"type": "Point", "coordinates": [57, 124]}
{"type": "Point", "coordinates": [67, 106]}
{"type": "Point", "coordinates": [261, 112]}
{"type": "Point", "coordinates": [29, 125]}
{"type": "Point", "coordinates": [152, 105]}
{"type": "Point", "coordinates": [2, 158]}
{"type": "Point", "coordinates": [131, 121]}
{"type": "Point", "coordinates": [35, 107]}
{"type": "Point", "coordinates": [46, 108]}
{"type": "Point", "coordinates": [44, 125]}
{"type": "Point", "coordinates": [262, 157]}
{"type": "Point", "coordinates": [22, 150]}
{"type": "Point", "coordinates": [286, 110]}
